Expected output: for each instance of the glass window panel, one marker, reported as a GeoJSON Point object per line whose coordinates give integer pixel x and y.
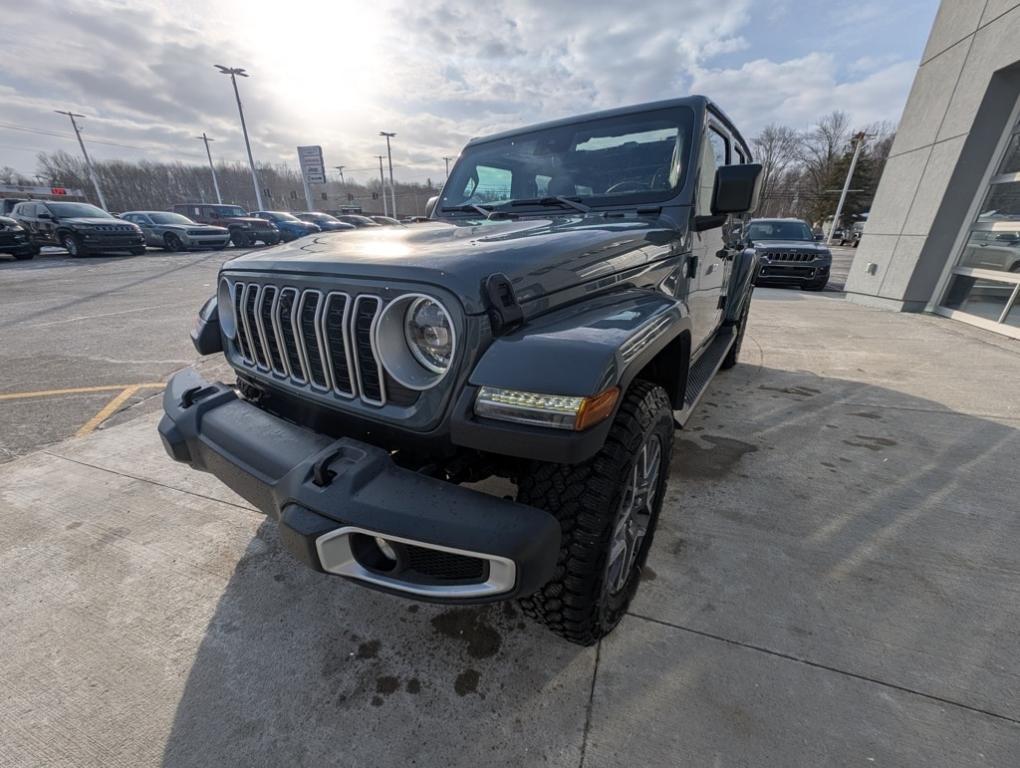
{"type": "Point", "coordinates": [1011, 162]}
{"type": "Point", "coordinates": [1013, 318]}
{"type": "Point", "coordinates": [976, 296]}
{"type": "Point", "coordinates": [1002, 203]}
{"type": "Point", "coordinates": [992, 250]}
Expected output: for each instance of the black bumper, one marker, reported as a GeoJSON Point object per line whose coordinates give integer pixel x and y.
{"type": "Point", "coordinates": [316, 486]}
{"type": "Point", "coordinates": [791, 274]}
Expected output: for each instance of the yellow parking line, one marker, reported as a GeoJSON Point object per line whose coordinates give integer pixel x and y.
{"type": "Point", "coordinates": [108, 410]}
{"type": "Point", "coordinates": [78, 390]}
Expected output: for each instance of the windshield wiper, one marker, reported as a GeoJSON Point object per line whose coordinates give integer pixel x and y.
{"type": "Point", "coordinates": [485, 210]}
{"type": "Point", "coordinates": [567, 202]}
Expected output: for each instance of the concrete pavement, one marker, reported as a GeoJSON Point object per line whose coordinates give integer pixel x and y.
{"type": "Point", "coordinates": [835, 581]}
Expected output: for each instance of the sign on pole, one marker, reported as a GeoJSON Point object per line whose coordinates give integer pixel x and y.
{"type": "Point", "coordinates": [313, 169]}
{"type": "Point", "coordinates": [47, 191]}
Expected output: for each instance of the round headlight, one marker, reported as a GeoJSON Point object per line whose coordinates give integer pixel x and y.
{"type": "Point", "coordinates": [225, 309]}
{"type": "Point", "coordinates": [415, 340]}
{"type": "Point", "coordinates": [429, 334]}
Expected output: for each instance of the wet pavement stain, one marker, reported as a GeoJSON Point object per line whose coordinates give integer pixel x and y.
{"type": "Point", "coordinates": [798, 391]}
{"type": "Point", "coordinates": [386, 685]}
{"type": "Point", "coordinates": [414, 686]}
{"type": "Point", "coordinates": [470, 626]}
{"type": "Point", "coordinates": [413, 608]}
{"type": "Point", "coordinates": [369, 650]}
{"type": "Point", "coordinates": [647, 574]}
{"type": "Point", "coordinates": [867, 415]}
{"type": "Point", "coordinates": [466, 682]}
{"type": "Point", "coordinates": [377, 701]}
{"type": "Point", "coordinates": [692, 461]}
{"type": "Point", "coordinates": [871, 442]}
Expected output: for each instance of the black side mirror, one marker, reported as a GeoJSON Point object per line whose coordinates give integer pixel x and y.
{"type": "Point", "coordinates": [737, 189]}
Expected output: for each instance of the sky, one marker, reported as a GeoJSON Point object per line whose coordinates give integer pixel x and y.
{"type": "Point", "coordinates": [435, 72]}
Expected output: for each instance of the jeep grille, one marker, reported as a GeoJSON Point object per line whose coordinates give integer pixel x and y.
{"type": "Point", "coordinates": [310, 338]}
{"type": "Point", "coordinates": [790, 256]}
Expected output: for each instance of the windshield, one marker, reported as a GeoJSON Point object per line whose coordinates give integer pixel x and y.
{"type": "Point", "coordinates": [316, 217]}
{"type": "Point", "coordinates": [169, 218]}
{"type": "Point", "coordinates": [77, 211]}
{"type": "Point", "coordinates": [612, 161]}
{"type": "Point", "coordinates": [276, 216]}
{"type": "Point", "coordinates": [227, 210]}
{"type": "Point", "coordinates": [358, 221]}
{"type": "Point", "coordinates": [779, 230]}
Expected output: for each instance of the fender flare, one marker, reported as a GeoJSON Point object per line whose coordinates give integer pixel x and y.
{"type": "Point", "coordinates": [745, 268]}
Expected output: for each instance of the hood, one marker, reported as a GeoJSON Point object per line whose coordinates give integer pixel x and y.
{"type": "Point", "coordinates": [801, 246]}
{"type": "Point", "coordinates": [97, 220]}
{"type": "Point", "coordinates": [539, 255]}
{"type": "Point", "coordinates": [195, 227]}
{"type": "Point", "coordinates": [253, 220]}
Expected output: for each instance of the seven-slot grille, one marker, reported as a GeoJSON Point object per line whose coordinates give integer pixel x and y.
{"type": "Point", "coordinates": [790, 256]}
{"type": "Point", "coordinates": [311, 338]}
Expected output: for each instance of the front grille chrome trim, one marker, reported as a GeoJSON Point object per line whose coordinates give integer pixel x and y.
{"type": "Point", "coordinates": [375, 352]}
{"type": "Point", "coordinates": [303, 342]}
{"type": "Point", "coordinates": [261, 326]}
{"type": "Point", "coordinates": [299, 377]}
{"type": "Point", "coordinates": [252, 357]}
{"type": "Point", "coordinates": [345, 336]}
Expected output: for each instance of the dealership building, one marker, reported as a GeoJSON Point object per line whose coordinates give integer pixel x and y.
{"type": "Point", "coordinates": [944, 231]}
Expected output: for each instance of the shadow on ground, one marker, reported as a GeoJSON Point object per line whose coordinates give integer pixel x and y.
{"type": "Point", "coordinates": [860, 531]}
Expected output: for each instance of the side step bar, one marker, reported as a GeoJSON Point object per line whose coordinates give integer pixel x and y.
{"type": "Point", "coordinates": [703, 371]}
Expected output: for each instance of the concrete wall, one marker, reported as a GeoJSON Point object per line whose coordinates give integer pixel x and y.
{"type": "Point", "coordinates": [960, 103]}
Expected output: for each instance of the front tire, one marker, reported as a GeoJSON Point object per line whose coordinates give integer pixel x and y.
{"type": "Point", "coordinates": [72, 244]}
{"type": "Point", "coordinates": [608, 507]}
{"type": "Point", "coordinates": [240, 240]}
{"type": "Point", "coordinates": [173, 242]}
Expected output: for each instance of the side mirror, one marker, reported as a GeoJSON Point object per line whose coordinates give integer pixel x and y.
{"type": "Point", "coordinates": [430, 206]}
{"type": "Point", "coordinates": [737, 189]}
{"type": "Point", "coordinates": [45, 215]}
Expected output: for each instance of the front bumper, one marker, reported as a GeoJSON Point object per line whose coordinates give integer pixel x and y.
{"type": "Point", "coordinates": [334, 497]}
{"type": "Point", "coordinates": [17, 246]}
{"type": "Point", "coordinates": [793, 273]}
{"type": "Point", "coordinates": [205, 241]}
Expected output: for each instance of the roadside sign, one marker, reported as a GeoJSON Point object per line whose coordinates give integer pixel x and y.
{"type": "Point", "coordinates": [32, 190]}
{"type": "Point", "coordinates": [313, 168]}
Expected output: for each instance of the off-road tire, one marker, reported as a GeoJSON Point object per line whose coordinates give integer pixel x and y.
{"type": "Point", "coordinates": [741, 325]}
{"type": "Point", "coordinates": [586, 498]}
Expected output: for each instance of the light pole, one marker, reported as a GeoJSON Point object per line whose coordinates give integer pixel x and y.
{"type": "Point", "coordinates": [216, 185]}
{"type": "Point", "coordinates": [859, 140]}
{"type": "Point", "coordinates": [234, 72]}
{"type": "Point", "coordinates": [88, 161]}
{"type": "Point", "coordinates": [382, 187]}
{"type": "Point", "coordinates": [447, 160]}
{"type": "Point", "coordinates": [340, 170]}
{"type": "Point", "coordinates": [389, 155]}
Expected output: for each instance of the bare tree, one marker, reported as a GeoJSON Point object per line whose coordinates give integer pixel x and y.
{"type": "Point", "coordinates": [777, 148]}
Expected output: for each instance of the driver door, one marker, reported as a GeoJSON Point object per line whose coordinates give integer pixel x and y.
{"type": "Point", "coordinates": [708, 265]}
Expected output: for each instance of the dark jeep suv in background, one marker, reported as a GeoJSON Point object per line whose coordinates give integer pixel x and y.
{"type": "Point", "coordinates": [788, 254]}
{"type": "Point", "coordinates": [577, 288]}
{"type": "Point", "coordinates": [81, 229]}
{"type": "Point", "coordinates": [245, 230]}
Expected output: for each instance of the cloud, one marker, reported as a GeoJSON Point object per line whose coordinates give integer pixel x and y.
{"type": "Point", "coordinates": [436, 71]}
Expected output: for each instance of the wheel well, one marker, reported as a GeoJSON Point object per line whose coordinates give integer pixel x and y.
{"type": "Point", "coordinates": [669, 368]}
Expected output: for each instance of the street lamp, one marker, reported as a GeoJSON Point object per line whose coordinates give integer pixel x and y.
{"type": "Point", "coordinates": [216, 185]}
{"type": "Point", "coordinates": [340, 170]}
{"type": "Point", "coordinates": [389, 155]}
{"type": "Point", "coordinates": [382, 187]}
{"type": "Point", "coordinates": [88, 161]}
{"type": "Point", "coordinates": [447, 160]}
{"type": "Point", "coordinates": [234, 73]}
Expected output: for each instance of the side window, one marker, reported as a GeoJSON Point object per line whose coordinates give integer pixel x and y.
{"type": "Point", "coordinates": [720, 146]}
{"type": "Point", "coordinates": [706, 179]}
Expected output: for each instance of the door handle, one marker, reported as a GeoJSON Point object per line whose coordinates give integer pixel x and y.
{"type": "Point", "coordinates": [692, 265]}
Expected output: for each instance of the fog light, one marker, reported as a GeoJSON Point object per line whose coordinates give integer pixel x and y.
{"type": "Point", "coordinates": [386, 549]}
{"type": "Point", "coordinates": [556, 411]}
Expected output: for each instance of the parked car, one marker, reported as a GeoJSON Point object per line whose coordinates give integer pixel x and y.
{"type": "Point", "coordinates": [245, 230]}
{"type": "Point", "coordinates": [79, 228]}
{"type": "Point", "coordinates": [325, 222]}
{"type": "Point", "coordinates": [788, 254]}
{"type": "Point", "coordinates": [357, 220]}
{"type": "Point", "coordinates": [15, 241]}
{"type": "Point", "coordinates": [385, 221]}
{"type": "Point", "coordinates": [999, 251]}
{"type": "Point", "coordinates": [175, 232]}
{"type": "Point", "coordinates": [558, 347]}
{"type": "Point", "coordinates": [852, 237]}
{"type": "Point", "coordinates": [290, 226]}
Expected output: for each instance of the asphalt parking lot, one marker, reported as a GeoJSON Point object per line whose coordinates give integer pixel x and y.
{"type": "Point", "coordinates": [834, 580]}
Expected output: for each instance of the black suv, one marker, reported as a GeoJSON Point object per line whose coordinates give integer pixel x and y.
{"type": "Point", "coordinates": [575, 291]}
{"type": "Point", "coordinates": [788, 254]}
{"type": "Point", "coordinates": [15, 241]}
{"type": "Point", "coordinates": [81, 229]}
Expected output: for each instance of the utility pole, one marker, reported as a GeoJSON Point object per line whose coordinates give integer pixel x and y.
{"type": "Point", "coordinates": [447, 160]}
{"type": "Point", "coordinates": [234, 72]}
{"type": "Point", "coordinates": [340, 170]}
{"type": "Point", "coordinates": [389, 154]}
{"type": "Point", "coordinates": [382, 187]}
{"type": "Point", "coordinates": [859, 140]}
{"type": "Point", "coordinates": [216, 185]}
{"type": "Point", "coordinates": [88, 161]}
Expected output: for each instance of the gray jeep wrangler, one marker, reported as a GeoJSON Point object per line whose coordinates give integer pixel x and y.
{"type": "Point", "coordinates": [575, 289]}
